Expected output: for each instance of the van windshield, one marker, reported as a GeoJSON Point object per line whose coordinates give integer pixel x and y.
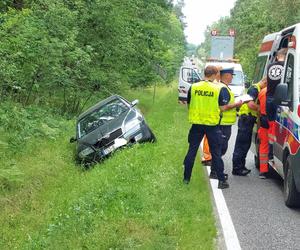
{"type": "Point", "coordinates": [237, 79]}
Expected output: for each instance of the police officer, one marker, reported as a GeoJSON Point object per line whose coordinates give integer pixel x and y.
{"type": "Point", "coordinates": [228, 115]}
{"type": "Point", "coordinates": [206, 158]}
{"type": "Point", "coordinates": [228, 112]}
{"type": "Point", "coordinates": [205, 99]}
{"type": "Point", "coordinates": [248, 115]}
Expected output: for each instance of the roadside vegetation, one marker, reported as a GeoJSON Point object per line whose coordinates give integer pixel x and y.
{"type": "Point", "coordinates": [57, 58]}
{"type": "Point", "coordinates": [59, 53]}
{"type": "Point", "coordinates": [134, 199]}
{"type": "Point", "coordinates": [252, 20]}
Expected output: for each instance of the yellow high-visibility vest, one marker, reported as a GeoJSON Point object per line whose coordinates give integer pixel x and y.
{"type": "Point", "coordinates": [245, 110]}
{"type": "Point", "coordinates": [204, 104]}
{"type": "Point", "coordinates": [228, 116]}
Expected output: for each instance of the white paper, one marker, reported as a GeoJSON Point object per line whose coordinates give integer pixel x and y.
{"type": "Point", "coordinates": [244, 98]}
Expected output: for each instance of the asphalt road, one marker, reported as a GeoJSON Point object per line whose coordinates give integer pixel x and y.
{"type": "Point", "coordinates": [260, 217]}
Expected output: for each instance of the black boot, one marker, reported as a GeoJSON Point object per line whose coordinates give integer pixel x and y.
{"type": "Point", "coordinates": [223, 184]}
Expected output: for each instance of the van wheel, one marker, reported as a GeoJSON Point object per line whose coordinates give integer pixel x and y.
{"type": "Point", "coordinates": [291, 195]}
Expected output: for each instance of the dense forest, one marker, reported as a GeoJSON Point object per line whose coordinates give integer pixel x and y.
{"type": "Point", "coordinates": [252, 20]}
{"type": "Point", "coordinates": [58, 57]}
{"type": "Point", "coordinates": [60, 52]}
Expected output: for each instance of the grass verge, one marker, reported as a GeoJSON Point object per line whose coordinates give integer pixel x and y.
{"type": "Point", "coordinates": [134, 199]}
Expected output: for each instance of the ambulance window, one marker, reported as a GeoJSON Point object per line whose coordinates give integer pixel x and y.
{"type": "Point", "coordinates": [260, 68]}
{"type": "Point", "coordinates": [289, 77]}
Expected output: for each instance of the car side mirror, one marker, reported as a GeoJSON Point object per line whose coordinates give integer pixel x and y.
{"type": "Point", "coordinates": [135, 102]}
{"type": "Point", "coordinates": [281, 95]}
{"type": "Point", "coordinates": [247, 85]}
{"type": "Point", "coordinates": [73, 139]}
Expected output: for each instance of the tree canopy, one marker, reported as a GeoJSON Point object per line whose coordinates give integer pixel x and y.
{"type": "Point", "coordinates": [64, 51]}
{"type": "Point", "coordinates": [252, 20]}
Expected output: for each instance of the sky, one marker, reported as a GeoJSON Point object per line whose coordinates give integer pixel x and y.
{"type": "Point", "coordinates": [201, 13]}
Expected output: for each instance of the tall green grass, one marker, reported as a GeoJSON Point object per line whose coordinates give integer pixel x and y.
{"type": "Point", "coordinates": [133, 200]}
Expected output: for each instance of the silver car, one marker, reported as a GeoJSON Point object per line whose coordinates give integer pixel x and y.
{"type": "Point", "coordinates": [107, 126]}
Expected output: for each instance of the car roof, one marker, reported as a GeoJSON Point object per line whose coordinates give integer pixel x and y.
{"type": "Point", "coordinates": [99, 104]}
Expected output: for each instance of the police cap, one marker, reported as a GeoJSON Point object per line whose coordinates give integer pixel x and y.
{"type": "Point", "coordinates": [227, 70]}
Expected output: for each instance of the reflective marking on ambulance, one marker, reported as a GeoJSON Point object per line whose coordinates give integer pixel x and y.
{"type": "Point", "coordinates": [287, 131]}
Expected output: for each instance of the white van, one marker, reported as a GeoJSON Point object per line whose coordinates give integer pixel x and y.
{"type": "Point", "coordinates": [287, 94]}
{"type": "Point", "coordinates": [237, 85]}
{"type": "Point", "coordinates": [187, 76]}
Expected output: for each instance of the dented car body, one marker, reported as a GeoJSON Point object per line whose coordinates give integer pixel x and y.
{"type": "Point", "coordinates": [107, 126]}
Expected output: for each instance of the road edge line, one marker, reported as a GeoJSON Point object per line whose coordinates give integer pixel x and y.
{"type": "Point", "coordinates": [229, 233]}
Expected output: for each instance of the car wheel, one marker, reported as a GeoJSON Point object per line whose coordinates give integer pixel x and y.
{"type": "Point", "coordinates": [291, 195]}
{"type": "Point", "coordinates": [152, 137]}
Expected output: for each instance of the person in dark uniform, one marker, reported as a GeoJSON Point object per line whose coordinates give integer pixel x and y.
{"type": "Point", "coordinates": [204, 101]}
{"type": "Point", "coordinates": [228, 115]}
{"type": "Point", "coordinates": [247, 119]}
{"type": "Point", "coordinates": [228, 112]}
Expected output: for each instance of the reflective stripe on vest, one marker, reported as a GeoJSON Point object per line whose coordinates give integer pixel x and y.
{"type": "Point", "coordinates": [204, 104]}
{"type": "Point", "coordinates": [262, 97]}
{"type": "Point", "coordinates": [245, 110]}
{"type": "Point", "coordinates": [229, 116]}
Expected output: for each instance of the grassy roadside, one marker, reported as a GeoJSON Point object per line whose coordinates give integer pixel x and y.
{"type": "Point", "coordinates": [135, 199]}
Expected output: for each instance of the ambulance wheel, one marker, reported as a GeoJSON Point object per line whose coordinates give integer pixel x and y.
{"type": "Point", "coordinates": [291, 195]}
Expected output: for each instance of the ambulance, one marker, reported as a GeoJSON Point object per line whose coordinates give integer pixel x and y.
{"type": "Point", "coordinates": [287, 94]}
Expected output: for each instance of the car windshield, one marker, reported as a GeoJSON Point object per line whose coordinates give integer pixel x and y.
{"type": "Point", "coordinates": [100, 116]}
{"type": "Point", "coordinates": [237, 79]}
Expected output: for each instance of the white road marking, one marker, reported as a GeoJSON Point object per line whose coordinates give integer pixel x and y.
{"type": "Point", "coordinates": [230, 236]}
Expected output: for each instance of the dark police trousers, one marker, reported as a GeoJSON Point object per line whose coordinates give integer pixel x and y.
{"type": "Point", "coordinates": [214, 137]}
{"type": "Point", "coordinates": [226, 133]}
{"type": "Point", "coordinates": [243, 141]}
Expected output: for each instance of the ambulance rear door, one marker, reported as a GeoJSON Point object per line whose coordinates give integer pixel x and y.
{"type": "Point", "coordinates": [265, 55]}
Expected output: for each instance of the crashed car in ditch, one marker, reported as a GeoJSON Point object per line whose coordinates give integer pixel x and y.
{"type": "Point", "coordinates": [107, 126]}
